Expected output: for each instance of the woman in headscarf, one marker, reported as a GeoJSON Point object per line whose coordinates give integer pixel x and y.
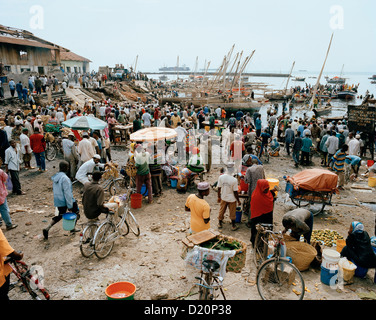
{"type": "Point", "coordinates": [358, 247]}
{"type": "Point", "coordinates": [262, 205]}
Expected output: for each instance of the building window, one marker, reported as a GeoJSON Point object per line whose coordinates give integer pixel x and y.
{"type": "Point", "coordinates": [7, 68]}
{"type": "Point", "coordinates": [23, 55]}
{"type": "Point", "coordinates": [68, 69]}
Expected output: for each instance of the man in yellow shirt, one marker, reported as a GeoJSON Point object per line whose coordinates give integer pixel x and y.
{"type": "Point", "coordinates": [199, 208]}
{"type": "Point", "coordinates": [5, 270]}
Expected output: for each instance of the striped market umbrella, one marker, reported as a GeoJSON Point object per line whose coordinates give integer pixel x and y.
{"type": "Point", "coordinates": [85, 123]}
{"type": "Point", "coordinates": [153, 134]}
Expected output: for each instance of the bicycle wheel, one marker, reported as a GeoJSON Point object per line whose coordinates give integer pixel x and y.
{"type": "Point", "coordinates": [132, 223]}
{"type": "Point", "coordinates": [104, 239]}
{"type": "Point", "coordinates": [260, 250]}
{"type": "Point", "coordinates": [316, 207]}
{"type": "Point", "coordinates": [279, 280]}
{"type": "Point", "coordinates": [51, 151]}
{"type": "Point", "coordinates": [118, 187]}
{"type": "Point", "coordinates": [87, 240]}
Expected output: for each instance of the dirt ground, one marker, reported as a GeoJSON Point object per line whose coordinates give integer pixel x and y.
{"type": "Point", "coordinates": [153, 260]}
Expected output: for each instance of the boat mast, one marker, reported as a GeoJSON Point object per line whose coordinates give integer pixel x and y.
{"type": "Point", "coordinates": [319, 77]}
{"type": "Point", "coordinates": [288, 79]}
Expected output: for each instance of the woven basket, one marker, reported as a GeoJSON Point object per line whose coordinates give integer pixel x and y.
{"type": "Point", "coordinates": [234, 264]}
{"type": "Point", "coordinates": [237, 262]}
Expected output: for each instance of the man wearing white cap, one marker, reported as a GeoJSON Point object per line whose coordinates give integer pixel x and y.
{"type": "Point", "coordinates": [228, 195]}
{"type": "Point", "coordinates": [354, 146]}
{"type": "Point", "coordinates": [85, 148]}
{"type": "Point", "coordinates": [87, 168]}
{"type": "Point", "coordinates": [199, 208]}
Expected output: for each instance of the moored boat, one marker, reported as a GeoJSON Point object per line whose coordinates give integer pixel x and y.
{"type": "Point", "coordinates": [346, 94]}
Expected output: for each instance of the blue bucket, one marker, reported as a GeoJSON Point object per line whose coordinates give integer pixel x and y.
{"type": "Point", "coordinates": [69, 221]}
{"type": "Point", "coordinates": [328, 276]}
{"type": "Point", "coordinates": [174, 183]}
{"type": "Point", "coordinates": [144, 190]}
{"type": "Point", "coordinates": [239, 213]}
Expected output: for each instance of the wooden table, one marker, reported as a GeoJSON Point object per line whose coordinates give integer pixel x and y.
{"type": "Point", "coordinates": [124, 132]}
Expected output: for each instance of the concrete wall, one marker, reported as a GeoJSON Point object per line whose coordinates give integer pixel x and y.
{"type": "Point", "coordinates": [75, 66]}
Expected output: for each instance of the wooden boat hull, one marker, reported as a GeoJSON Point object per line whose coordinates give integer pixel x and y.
{"type": "Point", "coordinates": [346, 95]}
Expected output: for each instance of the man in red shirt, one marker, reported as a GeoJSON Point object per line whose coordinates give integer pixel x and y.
{"type": "Point", "coordinates": [38, 145]}
{"type": "Point", "coordinates": [237, 149]}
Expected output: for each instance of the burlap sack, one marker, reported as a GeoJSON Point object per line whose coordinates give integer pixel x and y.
{"type": "Point", "coordinates": [301, 253]}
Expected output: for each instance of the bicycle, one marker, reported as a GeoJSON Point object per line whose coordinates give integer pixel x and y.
{"type": "Point", "coordinates": [27, 280]}
{"type": "Point", "coordinates": [110, 230]}
{"type": "Point", "coordinates": [209, 281]}
{"type": "Point", "coordinates": [277, 278]}
{"type": "Point", "coordinates": [53, 147]}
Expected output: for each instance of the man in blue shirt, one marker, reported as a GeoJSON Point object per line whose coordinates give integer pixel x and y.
{"type": "Point", "coordinates": [258, 125]}
{"type": "Point", "coordinates": [239, 115]}
{"type": "Point", "coordinates": [306, 149]}
{"type": "Point", "coordinates": [12, 87]}
{"type": "Point", "coordinates": [354, 161]}
{"type": "Point", "coordinates": [19, 90]}
{"type": "Point", "coordinates": [265, 137]}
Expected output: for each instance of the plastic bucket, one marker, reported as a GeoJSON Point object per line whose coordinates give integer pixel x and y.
{"type": "Point", "coordinates": [330, 258]}
{"type": "Point", "coordinates": [239, 213]}
{"type": "Point", "coordinates": [340, 245]}
{"type": "Point", "coordinates": [136, 200]}
{"type": "Point", "coordinates": [370, 163]}
{"type": "Point", "coordinates": [144, 190]}
{"type": "Point", "coordinates": [273, 183]}
{"type": "Point", "coordinates": [174, 183]}
{"type": "Point", "coordinates": [372, 182]}
{"type": "Point", "coordinates": [121, 291]}
{"type": "Point", "coordinates": [348, 274]}
{"type": "Point", "coordinates": [328, 276]}
{"type": "Point", "coordinates": [69, 221]}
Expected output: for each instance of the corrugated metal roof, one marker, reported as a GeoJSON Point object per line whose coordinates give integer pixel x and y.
{"type": "Point", "coordinates": [71, 56]}
{"type": "Point", "coordinates": [25, 42]}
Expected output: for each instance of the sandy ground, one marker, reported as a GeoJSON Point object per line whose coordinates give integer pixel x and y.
{"type": "Point", "coordinates": [153, 260]}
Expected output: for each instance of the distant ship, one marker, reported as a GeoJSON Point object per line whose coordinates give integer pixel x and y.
{"type": "Point", "coordinates": [335, 80]}
{"type": "Point", "coordinates": [172, 69]}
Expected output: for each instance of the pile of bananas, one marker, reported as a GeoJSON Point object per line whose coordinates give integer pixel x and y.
{"type": "Point", "coordinates": [328, 237]}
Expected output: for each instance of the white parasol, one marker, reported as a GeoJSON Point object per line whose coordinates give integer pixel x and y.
{"type": "Point", "coordinates": [153, 134]}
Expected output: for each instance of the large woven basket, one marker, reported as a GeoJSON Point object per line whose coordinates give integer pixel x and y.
{"type": "Point", "coordinates": [237, 262]}
{"type": "Point", "coordinates": [234, 264]}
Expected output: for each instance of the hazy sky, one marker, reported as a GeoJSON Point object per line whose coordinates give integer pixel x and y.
{"type": "Point", "coordinates": [158, 31]}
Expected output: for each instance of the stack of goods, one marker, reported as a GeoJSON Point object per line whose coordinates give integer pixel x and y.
{"type": "Point", "coordinates": [326, 237]}
{"type": "Point", "coordinates": [111, 171]}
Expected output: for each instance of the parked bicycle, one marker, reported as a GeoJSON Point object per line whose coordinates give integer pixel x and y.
{"type": "Point", "coordinates": [210, 285]}
{"type": "Point", "coordinates": [111, 229]}
{"type": "Point", "coordinates": [265, 153]}
{"type": "Point", "coordinates": [277, 278]}
{"type": "Point", "coordinates": [27, 281]}
{"type": "Point", "coordinates": [54, 146]}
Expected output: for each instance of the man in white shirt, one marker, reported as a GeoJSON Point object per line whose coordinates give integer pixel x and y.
{"type": "Point", "coordinates": [332, 144]}
{"type": "Point", "coordinates": [85, 148]}
{"type": "Point", "coordinates": [354, 146]}
{"type": "Point", "coordinates": [180, 142]}
{"type": "Point", "coordinates": [60, 115]}
{"type": "Point", "coordinates": [102, 112]}
{"type": "Point", "coordinates": [87, 168]}
{"type": "Point", "coordinates": [218, 111]}
{"type": "Point", "coordinates": [25, 148]}
{"type": "Point", "coordinates": [8, 129]}
{"type": "Point", "coordinates": [12, 165]}
{"type": "Point", "coordinates": [228, 195]}
{"type": "Point", "coordinates": [146, 118]}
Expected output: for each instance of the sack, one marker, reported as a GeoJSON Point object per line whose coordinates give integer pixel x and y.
{"type": "Point", "coordinates": [9, 183]}
{"type": "Point", "coordinates": [301, 253]}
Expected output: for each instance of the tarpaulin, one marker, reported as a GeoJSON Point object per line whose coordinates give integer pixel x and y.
{"type": "Point", "coordinates": [314, 180]}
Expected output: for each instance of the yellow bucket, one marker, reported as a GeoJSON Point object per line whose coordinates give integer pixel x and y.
{"type": "Point", "coordinates": [372, 182]}
{"type": "Point", "coordinates": [273, 183]}
{"type": "Point", "coordinates": [340, 245]}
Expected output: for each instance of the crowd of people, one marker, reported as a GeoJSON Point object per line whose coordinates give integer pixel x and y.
{"type": "Point", "coordinates": [242, 139]}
